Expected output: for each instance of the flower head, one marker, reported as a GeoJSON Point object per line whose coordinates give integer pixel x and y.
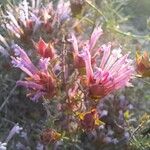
{"type": "Point", "coordinates": [46, 50]}
{"type": "Point", "coordinates": [49, 136]}
{"type": "Point", "coordinates": [89, 120]}
{"type": "Point", "coordinates": [104, 74]}
{"type": "Point", "coordinates": [88, 45]}
{"type": "Point", "coordinates": [109, 76]}
{"type": "Point", "coordinates": [25, 20]}
{"type": "Point", "coordinates": [21, 22]}
{"type": "Point", "coordinates": [143, 64]}
{"type": "Point", "coordinates": [40, 82]}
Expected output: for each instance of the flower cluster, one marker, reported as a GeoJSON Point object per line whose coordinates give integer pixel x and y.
{"type": "Point", "coordinates": [40, 81]}
{"type": "Point", "coordinates": [24, 20]}
{"type": "Point", "coordinates": [45, 50]}
{"type": "Point", "coordinates": [108, 76]}
{"type": "Point", "coordinates": [102, 76]}
{"type": "Point", "coordinates": [31, 20]}
{"type": "Point", "coordinates": [113, 132]}
{"type": "Point", "coordinates": [71, 74]}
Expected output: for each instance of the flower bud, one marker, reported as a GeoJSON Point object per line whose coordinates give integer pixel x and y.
{"type": "Point", "coordinates": [49, 136]}
{"type": "Point", "coordinates": [143, 64]}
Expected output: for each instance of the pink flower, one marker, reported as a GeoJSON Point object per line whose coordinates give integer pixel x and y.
{"type": "Point", "coordinates": [22, 24]}
{"type": "Point", "coordinates": [25, 19]}
{"type": "Point", "coordinates": [88, 45]}
{"type": "Point", "coordinates": [50, 16]}
{"type": "Point", "coordinates": [46, 50]}
{"type": "Point", "coordinates": [89, 120]}
{"type": "Point", "coordinates": [40, 81]}
{"type": "Point", "coordinates": [113, 73]}
{"type": "Point", "coordinates": [114, 70]}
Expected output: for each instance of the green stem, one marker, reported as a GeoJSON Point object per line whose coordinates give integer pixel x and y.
{"type": "Point", "coordinates": [95, 8]}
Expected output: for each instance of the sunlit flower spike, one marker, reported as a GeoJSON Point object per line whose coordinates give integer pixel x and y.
{"type": "Point", "coordinates": [40, 82]}
{"type": "Point", "coordinates": [114, 71]}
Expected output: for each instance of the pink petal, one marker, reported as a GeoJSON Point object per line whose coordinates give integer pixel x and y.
{"type": "Point", "coordinates": [89, 71]}
{"type": "Point", "coordinates": [106, 50]}
{"type": "Point", "coordinates": [30, 84]}
{"type": "Point", "coordinates": [94, 37]}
